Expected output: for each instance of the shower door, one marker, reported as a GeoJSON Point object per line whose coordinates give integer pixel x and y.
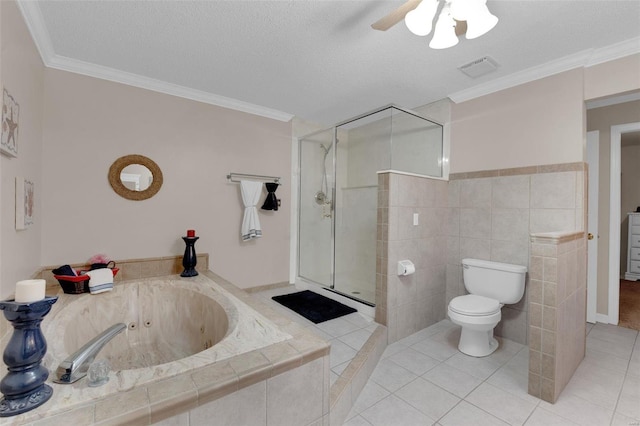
{"type": "Point", "coordinates": [316, 201]}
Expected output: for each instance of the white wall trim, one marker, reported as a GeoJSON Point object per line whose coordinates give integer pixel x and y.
{"type": "Point", "coordinates": [602, 318]}
{"type": "Point", "coordinates": [586, 58]}
{"type": "Point", "coordinates": [614, 218]}
{"type": "Point", "coordinates": [33, 18]}
{"type": "Point", "coordinates": [599, 103]}
{"type": "Point", "coordinates": [593, 158]}
{"type": "Point", "coordinates": [295, 202]}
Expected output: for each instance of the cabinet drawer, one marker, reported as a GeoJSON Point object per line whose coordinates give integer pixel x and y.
{"type": "Point", "coordinates": [635, 240]}
{"type": "Point", "coordinates": [635, 230]}
{"type": "Point", "coordinates": [635, 219]}
{"type": "Point", "coordinates": [635, 253]}
{"type": "Point", "coordinates": [634, 267]}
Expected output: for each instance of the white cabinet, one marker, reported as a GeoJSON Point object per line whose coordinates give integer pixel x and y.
{"type": "Point", "coordinates": [633, 249]}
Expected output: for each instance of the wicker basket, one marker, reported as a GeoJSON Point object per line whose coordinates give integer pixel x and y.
{"type": "Point", "coordinates": [77, 284]}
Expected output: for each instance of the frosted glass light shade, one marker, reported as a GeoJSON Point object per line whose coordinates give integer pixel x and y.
{"type": "Point", "coordinates": [445, 34]}
{"type": "Point", "coordinates": [420, 20]}
{"type": "Point", "coordinates": [480, 22]}
{"type": "Point", "coordinates": [461, 9]}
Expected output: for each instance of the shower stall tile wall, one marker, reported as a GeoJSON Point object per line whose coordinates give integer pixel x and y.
{"type": "Point", "coordinates": [406, 304]}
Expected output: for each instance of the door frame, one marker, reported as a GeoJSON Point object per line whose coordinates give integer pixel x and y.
{"type": "Point", "coordinates": [593, 160]}
{"type": "Point", "coordinates": [614, 218]}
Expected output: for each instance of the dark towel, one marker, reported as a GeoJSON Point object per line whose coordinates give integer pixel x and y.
{"type": "Point", "coordinates": [271, 203]}
{"type": "Point", "coordinates": [65, 270]}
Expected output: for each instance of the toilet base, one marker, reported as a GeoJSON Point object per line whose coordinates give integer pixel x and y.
{"type": "Point", "coordinates": [477, 343]}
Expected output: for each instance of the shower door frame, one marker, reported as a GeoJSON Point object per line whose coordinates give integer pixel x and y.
{"type": "Point", "coordinates": [332, 243]}
{"type": "Point", "coordinates": [295, 276]}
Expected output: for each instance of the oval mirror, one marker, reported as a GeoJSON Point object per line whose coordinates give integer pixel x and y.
{"type": "Point", "coordinates": [135, 177]}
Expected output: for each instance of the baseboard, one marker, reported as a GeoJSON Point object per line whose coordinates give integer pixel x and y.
{"type": "Point", "coordinates": [602, 318]}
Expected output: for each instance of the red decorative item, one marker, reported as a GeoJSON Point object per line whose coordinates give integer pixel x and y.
{"type": "Point", "coordinates": [191, 233]}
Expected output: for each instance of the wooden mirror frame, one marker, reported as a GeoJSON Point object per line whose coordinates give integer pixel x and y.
{"type": "Point", "coordinates": [117, 185]}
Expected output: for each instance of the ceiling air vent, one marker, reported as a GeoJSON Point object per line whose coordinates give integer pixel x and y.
{"type": "Point", "coordinates": [479, 67]}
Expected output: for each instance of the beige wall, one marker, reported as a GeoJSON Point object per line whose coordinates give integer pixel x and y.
{"type": "Point", "coordinates": [90, 122]}
{"type": "Point", "coordinates": [602, 119]}
{"type": "Point", "coordinates": [22, 75]}
{"type": "Point", "coordinates": [537, 123]}
{"type": "Point", "coordinates": [598, 81]}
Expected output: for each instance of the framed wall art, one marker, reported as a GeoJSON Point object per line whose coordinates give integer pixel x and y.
{"type": "Point", "coordinates": [10, 115]}
{"type": "Point", "coordinates": [25, 201]}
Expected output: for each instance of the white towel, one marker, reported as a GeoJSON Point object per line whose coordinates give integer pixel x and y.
{"type": "Point", "coordinates": [100, 280]}
{"type": "Point", "coordinates": [251, 192]}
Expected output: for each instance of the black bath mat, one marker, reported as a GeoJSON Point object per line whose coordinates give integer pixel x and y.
{"type": "Point", "coordinates": [313, 306]}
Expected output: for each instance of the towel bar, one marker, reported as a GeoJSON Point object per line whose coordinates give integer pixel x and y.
{"type": "Point", "coordinates": [231, 177]}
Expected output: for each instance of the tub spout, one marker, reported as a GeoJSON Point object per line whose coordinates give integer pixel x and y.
{"type": "Point", "coordinates": [75, 367]}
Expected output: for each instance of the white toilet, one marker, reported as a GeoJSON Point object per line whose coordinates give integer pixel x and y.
{"type": "Point", "coordinates": [491, 285]}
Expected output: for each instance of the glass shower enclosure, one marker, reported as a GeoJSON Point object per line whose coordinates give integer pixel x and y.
{"type": "Point", "coordinates": [338, 193]}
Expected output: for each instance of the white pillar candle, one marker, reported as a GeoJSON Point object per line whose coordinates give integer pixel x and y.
{"type": "Point", "coordinates": [29, 291]}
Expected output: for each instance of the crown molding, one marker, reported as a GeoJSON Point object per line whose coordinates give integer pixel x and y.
{"type": "Point", "coordinates": [614, 51]}
{"type": "Point", "coordinates": [586, 58]}
{"type": "Point", "coordinates": [35, 23]}
{"type": "Point", "coordinates": [135, 80]}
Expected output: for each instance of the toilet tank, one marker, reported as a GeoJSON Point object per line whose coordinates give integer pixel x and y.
{"type": "Point", "coordinates": [503, 282]}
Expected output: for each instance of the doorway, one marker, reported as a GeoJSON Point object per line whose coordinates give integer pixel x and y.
{"type": "Point", "coordinates": [612, 118]}
{"type": "Point", "coordinates": [615, 217]}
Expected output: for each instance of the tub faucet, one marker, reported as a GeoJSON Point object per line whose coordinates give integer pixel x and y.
{"type": "Point", "coordinates": [75, 367]}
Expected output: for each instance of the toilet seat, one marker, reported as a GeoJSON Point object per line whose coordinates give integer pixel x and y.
{"type": "Point", "coordinates": [474, 305]}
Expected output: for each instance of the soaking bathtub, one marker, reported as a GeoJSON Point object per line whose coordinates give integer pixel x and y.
{"type": "Point", "coordinates": [191, 332]}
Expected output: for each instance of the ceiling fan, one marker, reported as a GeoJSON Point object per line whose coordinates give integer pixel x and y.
{"type": "Point", "coordinates": [457, 17]}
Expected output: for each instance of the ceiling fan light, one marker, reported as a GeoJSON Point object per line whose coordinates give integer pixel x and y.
{"type": "Point", "coordinates": [420, 20]}
{"type": "Point", "coordinates": [461, 9]}
{"type": "Point", "coordinates": [444, 35]}
{"type": "Point", "coordinates": [481, 22]}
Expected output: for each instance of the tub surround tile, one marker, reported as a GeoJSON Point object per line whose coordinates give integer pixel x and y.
{"type": "Point", "coordinates": [232, 409]}
{"type": "Point", "coordinates": [251, 367]}
{"type": "Point", "coordinates": [215, 381]}
{"type": "Point", "coordinates": [161, 393]}
{"type": "Point", "coordinates": [78, 416]}
{"type": "Point", "coordinates": [282, 356]}
{"type": "Point", "coordinates": [297, 395]}
{"type": "Point", "coordinates": [172, 397]}
{"type": "Point", "coordinates": [132, 406]}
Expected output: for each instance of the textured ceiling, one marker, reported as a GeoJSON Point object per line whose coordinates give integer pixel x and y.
{"type": "Point", "coordinates": [320, 60]}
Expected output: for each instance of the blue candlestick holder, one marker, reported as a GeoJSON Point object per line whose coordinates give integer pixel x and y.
{"type": "Point", "coordinates": [189, 260]}
{"type": "Point", "coordinates": [23, 387]}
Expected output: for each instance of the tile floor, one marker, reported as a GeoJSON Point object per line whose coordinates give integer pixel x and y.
{"type": "Point", "coordinates": [424, 380]}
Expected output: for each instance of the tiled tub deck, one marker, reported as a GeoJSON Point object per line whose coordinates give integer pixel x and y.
{"type": "Point", "coordinates": [284, 376]}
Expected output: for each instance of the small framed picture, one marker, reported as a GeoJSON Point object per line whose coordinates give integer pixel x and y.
{"type": "Point", "coordinates": [24, 203]}
{"type": "Point", "coordinates": [10, 115]}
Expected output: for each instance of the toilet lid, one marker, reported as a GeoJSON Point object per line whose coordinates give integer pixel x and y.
{"type": "Point", "coordinates": [472, 304]}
